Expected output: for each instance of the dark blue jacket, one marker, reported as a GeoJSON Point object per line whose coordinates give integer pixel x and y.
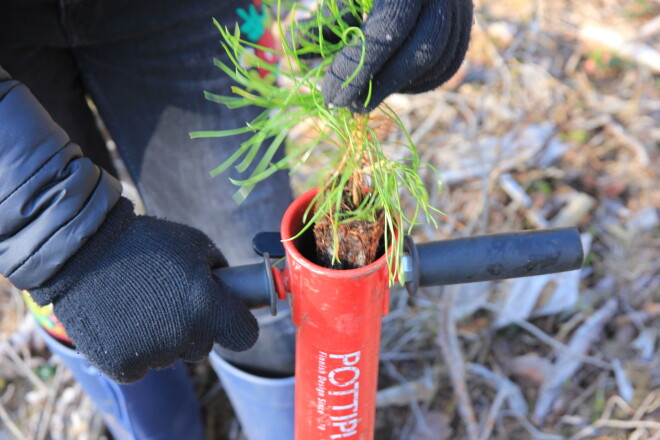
{"type": "Point", "coordinates": [51, 198]}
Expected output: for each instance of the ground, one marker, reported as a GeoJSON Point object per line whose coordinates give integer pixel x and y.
{"type": "Point", "coordinates": [552, 121]}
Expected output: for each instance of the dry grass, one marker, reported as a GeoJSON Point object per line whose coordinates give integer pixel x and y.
{"type": "Point", "coordinates": [542, 127]}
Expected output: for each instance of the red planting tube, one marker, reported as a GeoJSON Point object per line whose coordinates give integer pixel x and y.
{"type": "Point", "coordinates": [338, 315]}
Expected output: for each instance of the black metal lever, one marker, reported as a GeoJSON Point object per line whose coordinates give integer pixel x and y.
{"type": "Point", "coordinates": [268, 243]}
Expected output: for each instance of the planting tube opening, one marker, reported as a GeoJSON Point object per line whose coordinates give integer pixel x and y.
{"type": "Point", "coordinates": [303, 247]}
{"type": "Point", "coordinates": [306, 245]}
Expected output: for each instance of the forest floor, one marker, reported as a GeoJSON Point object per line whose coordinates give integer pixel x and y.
{"type": "Point", "coordinates": [554, 120]}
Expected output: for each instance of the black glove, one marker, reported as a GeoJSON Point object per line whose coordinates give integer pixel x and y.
{"type": "Point", "coordinates": [412, 46]}
{"type": "Point", "coordinates": [140, 294]}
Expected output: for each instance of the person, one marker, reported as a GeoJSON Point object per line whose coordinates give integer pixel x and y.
{"type": "Point", "coordinates": [136, 292]}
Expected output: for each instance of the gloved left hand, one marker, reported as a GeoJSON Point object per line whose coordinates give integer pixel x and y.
{"type": "Point", "coordinates": [411, 46]}
{"type": "Point", "coordinates": [141, 294]}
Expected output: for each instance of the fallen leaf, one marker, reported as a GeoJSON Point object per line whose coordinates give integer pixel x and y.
{"type": "Point", "coordinates": [531, 366]}
{"type": "Point", "coordinates": [436, 427]}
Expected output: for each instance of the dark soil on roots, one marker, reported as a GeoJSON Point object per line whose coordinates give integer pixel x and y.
{"type": "Point", "coordinates": [360, 243]}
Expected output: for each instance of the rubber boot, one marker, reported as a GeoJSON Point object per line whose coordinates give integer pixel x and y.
{"type": "Point", "coordinates": [260, 382]}
{"type": "Point", "coordinates": [263, 405]}
{"type": "Point", "coordinates": [161, 406]}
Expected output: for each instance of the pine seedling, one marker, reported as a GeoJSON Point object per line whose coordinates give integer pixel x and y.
{"type": "Point", "coordinates": [362, 192]}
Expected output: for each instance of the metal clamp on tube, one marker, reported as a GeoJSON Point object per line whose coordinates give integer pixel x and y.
{"type": "Point", "coordinates": [495, 257]}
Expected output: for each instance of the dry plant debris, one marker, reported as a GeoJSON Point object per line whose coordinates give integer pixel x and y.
{"type": "Point", "coordinates": [553, 120]}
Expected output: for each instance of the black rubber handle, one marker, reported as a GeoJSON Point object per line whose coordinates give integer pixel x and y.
{"type": "Point", "coordinates": [253, 284]}
{"type": "Point", "coordinates": [499, 256]}
{"type": "Point", "coordinates": [456, 261]}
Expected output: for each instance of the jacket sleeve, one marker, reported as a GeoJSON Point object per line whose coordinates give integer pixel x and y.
{"type": "Point", "coordinates": [51, 197]}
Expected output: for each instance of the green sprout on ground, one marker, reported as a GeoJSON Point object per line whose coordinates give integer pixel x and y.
{"type": "Point", "coordinates": [362, 185]}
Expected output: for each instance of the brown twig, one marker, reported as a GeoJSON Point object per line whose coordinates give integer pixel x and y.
{"type": "Point", "coordinates": [15, 431]}
{"type": "Point", "coordinates": [568, 362]}
{"type": "Point", "coordinates": [448, 341]}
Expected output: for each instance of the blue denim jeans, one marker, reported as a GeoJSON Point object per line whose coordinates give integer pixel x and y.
{"type": "Point", "coordinates": [145, 65]}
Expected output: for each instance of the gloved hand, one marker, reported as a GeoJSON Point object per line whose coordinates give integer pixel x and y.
{"type": "Point", "coordinates": [412, 46]}
{"type": "Point", "coordinates": [140, 294]}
